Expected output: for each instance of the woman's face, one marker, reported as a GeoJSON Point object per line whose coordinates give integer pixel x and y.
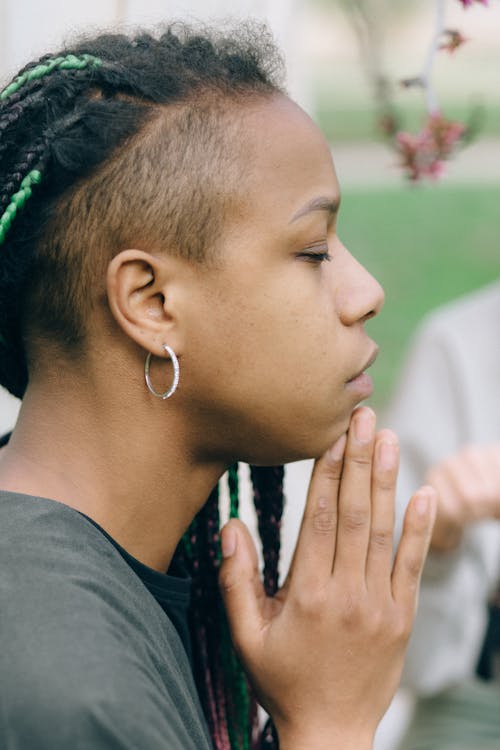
{"type": "Point", "coordinates": [277, 336]}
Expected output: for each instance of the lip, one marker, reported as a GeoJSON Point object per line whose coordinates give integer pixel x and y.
{"type": "Point", "coordinates": [371, 359]}
{"type": "Point", "coordinates": [361, 383]}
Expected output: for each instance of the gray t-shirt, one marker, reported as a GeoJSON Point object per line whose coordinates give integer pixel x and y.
{"type": "Point", "coordinates": [89, 658]}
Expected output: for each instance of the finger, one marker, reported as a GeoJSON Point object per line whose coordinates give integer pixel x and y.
{"type": "Point", "coordinates": [240, 585]}
{"type": "Point", "coordinates": [355, 497]}
{"type": "Point", "coordinates": [448, 527]}
{"type": "Point", "coordinates": [413, 548]}
{"type": "Point", "coordinates": [494, 461]}
{"type": "Point", "coordinates": [482, 488]}
{"type": "Point", "coordinates": [466, 486]}
{"type": "Point", "coordinates": [315, 549]}
{"type": "Point", "coordinates": [384, 476]}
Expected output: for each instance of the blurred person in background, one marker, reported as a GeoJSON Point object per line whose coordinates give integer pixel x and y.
{"type": "Point", "coordinates": [447, 414]}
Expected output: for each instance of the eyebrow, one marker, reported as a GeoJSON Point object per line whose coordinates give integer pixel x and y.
{"type": "Point", "coordinates": [318, 204]}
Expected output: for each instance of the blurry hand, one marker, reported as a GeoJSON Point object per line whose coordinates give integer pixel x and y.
{"type": "Point", "coordinates": [326, 653]}
{"type": "Point", "coordinates": [468, 487]}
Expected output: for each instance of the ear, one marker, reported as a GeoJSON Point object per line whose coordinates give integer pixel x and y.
{"type": "Point", "coordinates": [141, 291]}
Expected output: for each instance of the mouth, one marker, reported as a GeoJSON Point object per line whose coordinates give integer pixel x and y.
{"type": "Point", "coordinates": [371, 359]}
{"type": "Point", "coordinates": [361, 382]}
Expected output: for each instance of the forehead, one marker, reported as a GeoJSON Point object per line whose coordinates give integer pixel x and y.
{"type": "Point", "coordinates": [287, 161]}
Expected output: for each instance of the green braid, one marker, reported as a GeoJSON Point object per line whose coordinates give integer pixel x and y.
{"type": "Point", "coordinates": [232, 480]}
{"type": "Point", "coordinates": [241, 698]}
{"type": "Point", "coordinates": [229, 701]}
{"type": "Point", "coordinates": [17, 202]}
{"type": "Point", "coordinates": [69, 62]}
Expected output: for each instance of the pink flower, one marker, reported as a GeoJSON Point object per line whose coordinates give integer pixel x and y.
{"type": "Point", "coordinates": [466, 3]}
{"type": "Point", "coordinates": [453, 39]}
{"type": "Point", "coordinates": [423, 155]}
{"type": "Point", "coordinates": [413, 152]}
{"type": "Point", "coordinates": [444, 133]}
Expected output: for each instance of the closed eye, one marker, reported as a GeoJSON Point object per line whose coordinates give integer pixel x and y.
{"type": "Point", "coordinates": [316, 256]}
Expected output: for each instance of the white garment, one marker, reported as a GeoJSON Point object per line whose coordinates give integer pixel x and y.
{"type": "Point", "coordinates": [450, 396]}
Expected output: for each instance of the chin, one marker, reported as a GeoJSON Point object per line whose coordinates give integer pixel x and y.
{"type": "Point", "coordinates": [321, 443]}
{"type": "Point", "coordinates": [309, 446]}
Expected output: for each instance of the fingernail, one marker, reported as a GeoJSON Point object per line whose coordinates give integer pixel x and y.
{"type": "Point", "coordinates": [387, 455]}
{"type": "Point", "coordinates": [228, 542]}
{"type": "Point", "coordinates": [364, 426]}
{"type": "Point", "coordinates": [338, 448]}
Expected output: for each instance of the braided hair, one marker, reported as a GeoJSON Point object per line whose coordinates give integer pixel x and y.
{"type": "Point", "coordinates": [228, 701]}
{"type": "Point", "coordinates": [141, 121]}
{"type": "Point", "coordinates": [86, 134]}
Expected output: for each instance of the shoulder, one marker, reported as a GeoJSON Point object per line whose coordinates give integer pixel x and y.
{"type": "Point", "coordinates": [123, 715]}
{"type": "Point", "coordinates": [458, 338]}
{"type": "Point", "coordinates": [64, 579]}
{"type": "Point", "coordinates": [51, 555]}
{"type": "Point", "coordinates": [87, 652]}
{"type": "Point", "coordinates": [469, 314]}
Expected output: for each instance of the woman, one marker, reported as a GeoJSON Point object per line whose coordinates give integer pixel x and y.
{"type": "Point", "coordinates": [168, 229]}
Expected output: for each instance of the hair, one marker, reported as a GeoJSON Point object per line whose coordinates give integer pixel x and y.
{"type": "Point", "coordinates": [86, 134]}
{"type": "Point", "coordinates": [227, 698]}
{"type": "Point", "coordinates": [117, 141]}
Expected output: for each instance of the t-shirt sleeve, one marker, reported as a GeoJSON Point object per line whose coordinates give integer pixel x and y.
{"type": "Point", "coordinates": [88, 660]}
{"type": "Point", "coordinates": [57, 701]}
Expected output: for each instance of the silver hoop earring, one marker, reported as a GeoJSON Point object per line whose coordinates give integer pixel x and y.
{"type": "Point", "coordinates": [175, 381]}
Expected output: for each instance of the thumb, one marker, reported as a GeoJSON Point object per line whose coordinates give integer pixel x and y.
{"type": "Point", "coordinates": [240, 585]}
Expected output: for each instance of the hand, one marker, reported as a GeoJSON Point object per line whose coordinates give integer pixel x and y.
{"type": "Point", "coordinates": [468, 487]}
{"type": "Point", "coordinates": [326, 653]}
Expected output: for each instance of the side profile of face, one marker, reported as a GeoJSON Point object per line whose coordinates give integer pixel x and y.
{"type": "Point", "coordinates": [274, 337]}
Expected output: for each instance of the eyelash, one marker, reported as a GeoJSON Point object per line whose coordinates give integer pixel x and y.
{"type": "Point", "coordinates": [316, 257]}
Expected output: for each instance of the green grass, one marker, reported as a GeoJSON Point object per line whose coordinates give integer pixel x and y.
{"type": "Point", "coordinates": [425, 245]}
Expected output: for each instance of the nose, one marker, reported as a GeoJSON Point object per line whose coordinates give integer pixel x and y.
{"type": "Point", "coordinates": [359, 296]}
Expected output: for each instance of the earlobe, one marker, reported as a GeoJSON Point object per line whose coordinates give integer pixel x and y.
{"type": "Point", "coordinates": [137, 289]}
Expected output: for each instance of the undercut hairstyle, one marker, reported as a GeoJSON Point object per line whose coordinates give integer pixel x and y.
{"type": "Point", "coordinates": [119, 142]}
{"type": "Point", "coordinates": [133, 141]}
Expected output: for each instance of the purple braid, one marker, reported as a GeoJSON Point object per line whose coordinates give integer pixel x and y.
{"type": "Point", "coordinates": [268, 498]}
{"type": "Point", "coordinates": [226, 696]}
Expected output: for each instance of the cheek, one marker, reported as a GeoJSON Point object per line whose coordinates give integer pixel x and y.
{"type": "Point", "coordinates": [278, 332]}
{"type": "Point", "coordinates": [302, 355]}
{"type": "Point", "coordinates": [307, 330]}
{"type": "Point", "coordinates": [271, 376]}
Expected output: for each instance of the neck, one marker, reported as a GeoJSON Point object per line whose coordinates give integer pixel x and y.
{"type": "Point", "coordinates": [122, 458]}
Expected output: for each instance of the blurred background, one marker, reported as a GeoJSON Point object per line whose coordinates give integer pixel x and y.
{"type": "Point", "coordinates": [426, 243]}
